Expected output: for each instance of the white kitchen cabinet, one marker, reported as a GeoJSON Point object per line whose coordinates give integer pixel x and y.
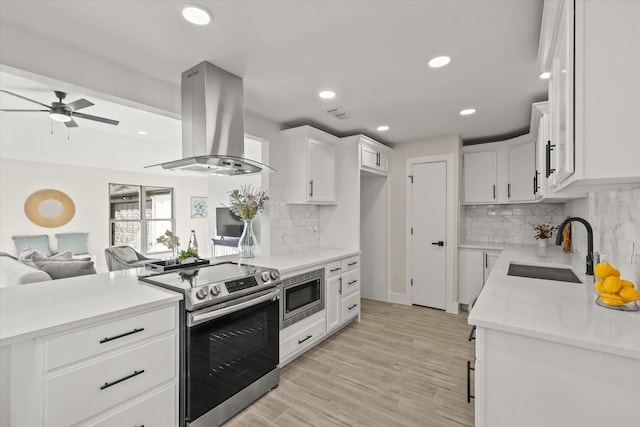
{"type": "Point", "coordinates": [539, 382]}
{"type": "Point", "coordinates": [499, 172]}
{"type": "Point", "coordinates": [301, 336]}
{"type": "Point", "coordinates": [480, 179]}
{"type": "Point", "coordinates": [474, 266]}
{"type": "Point", "coordinates": [343, 291]}
{"type": "Point", "coordinates": [374, 156]}
{"type": "Point", "coordinates": [98, 373]}
{"type": "Point", "coordinates": [593, 106]}
{"type": "Point", "coordinates": [310, 166]}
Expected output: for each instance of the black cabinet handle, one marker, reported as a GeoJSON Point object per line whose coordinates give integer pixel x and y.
{"type": "Point", "coordinates": [472, 334]}
{"type": "Point", "coordinates": [352, 282]}
{"type": "Point", "coordinates": [135, 374]}
{"type": "Point", "coordinates": [135, 331]}
{"type": "Point", "coordinates": [335, 269]}
{"type": "Point", "coordinates": [469, 369]}
{"type": "Point", "coordinates": [438, 243]}
{"type": "Point", "coordinates": [550, 148]}
{"type": "Point", "coordinates": [340, 288]}
{"type": "Point", "coordinates": [535, 183]}
{"type": "Point", "coordinates": [494, 191]}
{"type": "Point", "coordinates": [509, 190]}
{"type": "Point", "coordinates": [311, 188]}
{"type": "Point", "coordinates": [353, 306]}
{"type": "Point", "coordinates": [303, 340]}
{"type": "Point", "coordinates": [352, 263]}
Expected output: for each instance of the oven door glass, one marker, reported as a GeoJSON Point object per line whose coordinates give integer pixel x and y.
{"type": "Point", "coordinates": [301, 295]}
{"type": "Point", "coordinates": [229, 353]}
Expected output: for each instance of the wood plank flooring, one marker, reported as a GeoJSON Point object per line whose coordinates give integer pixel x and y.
{"type": "Point", "coordinates": [400, 366]}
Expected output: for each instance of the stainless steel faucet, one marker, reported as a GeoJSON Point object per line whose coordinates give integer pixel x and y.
{"type": "Point", "coordinates": [559, 238]}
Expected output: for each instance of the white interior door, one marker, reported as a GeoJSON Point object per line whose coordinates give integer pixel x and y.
{"type": "Point", "coordinates": [428, 240]}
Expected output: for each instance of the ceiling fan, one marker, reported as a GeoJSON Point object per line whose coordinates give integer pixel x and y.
{"type": "Point", "coordinates": [61, 112]}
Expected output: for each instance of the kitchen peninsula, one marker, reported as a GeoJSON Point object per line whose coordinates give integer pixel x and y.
{"type": "Point", "coordinates": [546, 354]}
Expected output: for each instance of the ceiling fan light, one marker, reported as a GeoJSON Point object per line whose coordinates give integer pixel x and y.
{"type": "Point", "coordinates": [60, 117]}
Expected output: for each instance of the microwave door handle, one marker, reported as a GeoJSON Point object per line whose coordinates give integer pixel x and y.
{"type": "Point", "coordinates": [196, 319]}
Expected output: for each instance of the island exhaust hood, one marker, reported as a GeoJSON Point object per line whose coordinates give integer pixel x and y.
{"type": "Point", "coordinates": [213, 124]}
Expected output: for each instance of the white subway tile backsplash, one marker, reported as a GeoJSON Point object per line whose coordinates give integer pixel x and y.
{"type": "Point", "coordinates": [292, 229]}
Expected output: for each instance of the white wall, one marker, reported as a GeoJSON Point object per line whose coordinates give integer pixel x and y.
{"type": "Point", "coordinates": [89, 189]}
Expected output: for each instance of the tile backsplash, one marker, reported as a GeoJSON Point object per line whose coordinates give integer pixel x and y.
{"type": "Point", "coordinates": [615, 218]}
{"type": "Point", "coordinates": [293, 227]}
{"type": "Point", "coordinates": [507, 223]}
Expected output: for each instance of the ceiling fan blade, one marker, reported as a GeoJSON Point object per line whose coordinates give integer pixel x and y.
{"type": "Point", "coordinates": [71, 124]}
{"type": "Point", "coordinates": [79, 103]}
{"type": "Point", "coordinates": [15, 111]}
{"type": "Point", "coordinates": [22, 97]}
{"type": "Point", "coordinates": [96, 118]}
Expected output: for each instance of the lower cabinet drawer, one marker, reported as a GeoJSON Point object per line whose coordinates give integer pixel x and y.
{"type": "Point", "coordinates": [351, 281]}
{"type": "Point", "coordinates": [77, 394]}
{"type": "Point", "coordinates": [303, 339]}
{"type": "Point", "coordinates": [350, 306]}
{"type": "Point", "coordinates": [158, 409]}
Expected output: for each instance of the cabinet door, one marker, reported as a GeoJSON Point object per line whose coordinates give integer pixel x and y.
{"type": "Point", "coordinates": [480, 177]}
{"type": "Point", "coordinates": [321, 164]}
{"type": "Point", "coordinates": [368, 157]}
{"type": "Point", "coordinates": [490, 258]}
{"type": "Point", "coordinates": [333, 299]}
{"type": "Point", "coordinates": [470, 278]}
{"type": "Point", "coordinates": [383, 162]}
{"type": "Point", "coordinates": [522, 169]}
{"type": "Point", "coordinates": [561, 97]}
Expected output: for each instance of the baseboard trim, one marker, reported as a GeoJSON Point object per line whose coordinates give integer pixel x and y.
{"type": "Point", "coordinates": [398, 298]}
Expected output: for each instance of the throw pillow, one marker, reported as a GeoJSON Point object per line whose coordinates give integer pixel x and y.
{"type": "Point", "coordinates": [126, 254]}
{"type": "Point", "coordinates": [40, 243]}
{"type": "Point", "coordinates": [29, 255]}
{"type": "Point", "coordinates": [62, 269]}
{"type": "Point", "coordinates": [74, 242]}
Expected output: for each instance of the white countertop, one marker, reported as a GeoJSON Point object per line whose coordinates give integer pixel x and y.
{"type": "Point", "coordinates": [42, 308]}
{"type": "Point", "coordinates": [551, 310]}
{"type": "Point", "coordinates": [292, 261]}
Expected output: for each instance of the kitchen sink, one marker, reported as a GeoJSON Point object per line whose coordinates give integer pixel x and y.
{"type": "Point", "coordinates": [541, 272]}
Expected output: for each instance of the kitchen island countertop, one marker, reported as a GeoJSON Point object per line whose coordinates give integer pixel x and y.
{"type": "Point", "coordinates": [556, 311]}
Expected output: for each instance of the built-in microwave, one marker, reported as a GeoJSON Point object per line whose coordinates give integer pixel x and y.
{"type": "Point", "coordinates": [302, 296]}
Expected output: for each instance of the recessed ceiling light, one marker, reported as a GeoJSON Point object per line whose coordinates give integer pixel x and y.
{"type": "Point", "coordinates": [327, 94]}
{"type": "Point", "coordinates": [439, 61]}
{"type": "Point", "coordinates": [142, 132]}
{"type": "Point", "coordinates": [383, 128]}
{"type": "Point", "coordinates": [197, 15]}
{"type": "Point", "coordinates": [545, 75]}
{"type": "Point", "coordinates": [467, 111]}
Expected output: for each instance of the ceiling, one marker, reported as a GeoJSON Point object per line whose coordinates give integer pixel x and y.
{"type": "Point", "coordinates": [373, 54]}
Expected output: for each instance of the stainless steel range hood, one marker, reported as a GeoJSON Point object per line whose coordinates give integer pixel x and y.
{"type": "Point", "coordinates": [213, 124]}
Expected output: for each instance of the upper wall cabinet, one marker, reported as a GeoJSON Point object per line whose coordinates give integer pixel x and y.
{"type": "Point", "coordinates": [500, 172]}
{"type": "Point", "coordinates": [374, 157]}
{"type": "Point", "coordinates": [310, 166]}
{"type": "Point", "coordinates": [592, 104]}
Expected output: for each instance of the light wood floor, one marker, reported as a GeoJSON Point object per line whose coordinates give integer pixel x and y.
{"type": "Point", "coordinates": [400, 366]}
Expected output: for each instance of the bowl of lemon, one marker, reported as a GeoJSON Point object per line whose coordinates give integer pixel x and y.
{"type": "Point", "coordinates": [614, 292]}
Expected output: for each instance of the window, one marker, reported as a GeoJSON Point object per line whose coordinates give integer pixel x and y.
{"type": "Point", "coordinates": [126, 223]}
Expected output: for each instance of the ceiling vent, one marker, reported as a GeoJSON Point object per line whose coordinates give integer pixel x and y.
{"type": "Point", "coordinates": [339, 113]}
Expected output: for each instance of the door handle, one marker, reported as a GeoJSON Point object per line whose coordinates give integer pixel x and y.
{"type": "Point", "coordinates": [549, 149]}
{"type": "Point", "coordinates": [438, 243]}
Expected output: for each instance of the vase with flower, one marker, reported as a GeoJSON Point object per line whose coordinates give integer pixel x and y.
{"type": "Point", "coordinates": [543, 233]}
{"type": "Point", "coordinates": [247, 202]}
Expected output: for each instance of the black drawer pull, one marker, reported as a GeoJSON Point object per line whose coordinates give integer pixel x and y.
{"type": "Point", "coordinates": [335, 269]}
{"type": "Point", "coordinates": [135, 331]}
{"type": "Point", "coordinates": [352, 263]}
{"type": "Point", "coordinates": [353, 306]}
{"type": "Point", "coordinates": [352, 282]}
{"type": "Point", "coordinates": [308, 337]}
{"type": "Point", "coordinates": [469, 369]}
{"type": "Point", "coordinates": [135, 374]}
{"type": "Point", "coordinates": [472, 334]}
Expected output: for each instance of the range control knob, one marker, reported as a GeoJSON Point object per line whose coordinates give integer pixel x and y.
{"type": "Point", "coordinates": [265, 276]}
{"type": "Point", "coordinates": [274, 274]}
{"type": "Point", "coordinates": [201, 293]}
{"type": "Point", "coordinates": [215, 290]}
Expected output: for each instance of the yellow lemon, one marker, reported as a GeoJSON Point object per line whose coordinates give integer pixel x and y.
{"type": "Point", "coordinates": [604, 270]}
{"type": "Point", "coordinates": [611, 284]}
{"type": "Point", "coordinates": [611, 302]}
{"type": "Point", "coordinates": [629, 294]}
{"type": "Point", "coordinates": [626, 284]}
{"type": "Point", "coordinates": [599, 287]}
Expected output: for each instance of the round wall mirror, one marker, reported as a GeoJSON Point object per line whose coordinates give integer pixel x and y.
{"type": "Point", "coordinates": [49, 208]}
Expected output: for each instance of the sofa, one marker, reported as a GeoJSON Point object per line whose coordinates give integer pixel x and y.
{"type": "Point", "coordinates": [34, 266]}
{"type": "Point", "coordinates": [125, 257]}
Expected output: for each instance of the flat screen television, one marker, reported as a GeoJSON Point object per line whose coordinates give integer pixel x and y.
{"type": "Point", "coordinates": [228, 224]}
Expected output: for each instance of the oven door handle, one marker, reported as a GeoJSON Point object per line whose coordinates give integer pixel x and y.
{"type": "Point", "coordinates": [196, 319]}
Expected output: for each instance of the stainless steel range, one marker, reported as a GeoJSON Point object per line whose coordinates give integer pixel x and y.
{"type": "Point", "coordinates": [229, 338]}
